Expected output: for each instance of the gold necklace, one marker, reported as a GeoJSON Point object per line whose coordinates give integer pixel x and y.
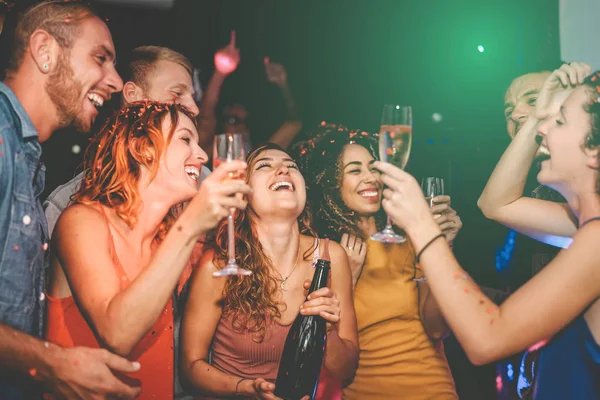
{"type": "Point", "coordinates": [284, 280]}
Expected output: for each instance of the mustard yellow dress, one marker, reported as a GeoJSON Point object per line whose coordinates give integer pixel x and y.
{"type": "Point", "coordinates": [397, 359]}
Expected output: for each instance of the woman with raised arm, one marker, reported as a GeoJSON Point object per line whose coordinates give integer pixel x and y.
{"type": "Point", "coordinates": [561, 301]}
{"type": "Point", "coordinates": [120, 250]}
{"type": "Point", "coordinates": [244, 320]}
{"type": "Point", "coordinates": [502, 199]}
{"type": "Point", "coordinates": [400, 326]}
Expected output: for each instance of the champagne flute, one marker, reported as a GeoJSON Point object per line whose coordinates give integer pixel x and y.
{"type": "Point", "coordinates": [229, 147]}
{"type": "Point", "coordinates": [395, 137]}
{"type": "Point", "coordinates": [432, 187]}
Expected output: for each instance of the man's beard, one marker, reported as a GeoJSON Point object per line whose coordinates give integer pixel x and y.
{"type": "Point", "coordinates": [65, 90]}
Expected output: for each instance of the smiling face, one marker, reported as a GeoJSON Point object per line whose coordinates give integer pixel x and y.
{"type": "Point", "coordinates": [277, 185]}
{"type": "Point", "coordinates": [360, 186]}
{"type": "Point", "coordinates": [566, 164]}
{"type": "Point", "coordinates": [84, 76]}
{"type": "Point", "coordinates": [182, 160]}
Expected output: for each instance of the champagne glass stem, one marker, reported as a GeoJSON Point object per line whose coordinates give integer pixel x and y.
{"type": "Point", "coordinates": [388, 224]}
{"type": "Point", "coordinates": [230, 239]}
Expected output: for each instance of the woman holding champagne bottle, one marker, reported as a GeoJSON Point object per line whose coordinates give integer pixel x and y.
{"type": "Point", "coordinates": [246, 318]}
{"type": "Point", "coordinates": [399, 322]}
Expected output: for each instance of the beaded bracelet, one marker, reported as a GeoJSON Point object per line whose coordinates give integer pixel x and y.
{"type": "Point", "coordinates": [418, 257]}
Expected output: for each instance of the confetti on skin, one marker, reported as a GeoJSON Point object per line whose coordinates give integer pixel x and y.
{"type": "Point", "coordinates": [33, 372]}
{"type": "Point", "coordinates": [76, 362]}
{"type": "Point", "coordinates": [490, 309]}
{"type": "Point", "coordinates": [46, 344]}
{"type": "Point", "coordinates": [467, 290]}
{"type": "Point", "coordinates": [456, 276]}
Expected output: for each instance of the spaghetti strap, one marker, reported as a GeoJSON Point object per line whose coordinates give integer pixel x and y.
{"type": "Point", "coordinates": [588, 220]}
{"type": "Point", "coordinates": [316, 254]}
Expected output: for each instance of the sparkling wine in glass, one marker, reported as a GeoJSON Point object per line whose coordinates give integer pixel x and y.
{"type": "Point", "coordinates": [229, 147]}
{"type": "Point", "coordinates": [395, 137]}
{"type": "Point", "coordinates": [432, 187]}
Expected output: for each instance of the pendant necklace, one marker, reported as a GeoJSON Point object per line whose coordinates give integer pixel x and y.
{"type": "Point", "coordinates": [284, 280]}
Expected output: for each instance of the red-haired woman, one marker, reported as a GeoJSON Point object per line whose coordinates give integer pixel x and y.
{"type": "Point", "coordinates": [119, 250]}
{"type": "Point", "coordinates": [246, 319]}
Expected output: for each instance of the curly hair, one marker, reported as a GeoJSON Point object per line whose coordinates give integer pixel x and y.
{"type": "Point", "coordinates": [321, 161]}
{"type": "Point", "coordinates": [250, 300]}
{"type": "Point", "coordinates": [131, 139]}
{"type": "Point", "coordinates": [592, 82]}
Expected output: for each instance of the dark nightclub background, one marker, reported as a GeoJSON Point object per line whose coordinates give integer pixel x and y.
{"type": "Point", "coordinates": [345, 59]}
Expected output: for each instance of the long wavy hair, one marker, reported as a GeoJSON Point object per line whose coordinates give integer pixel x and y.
{"type": "Point", "coordinates": [250, 300]}
{"type": "Point", "coordinates": [592, 83]}
{"type": "Point", "coordinates": [321, 163]}
{"type": "Point", "coordinates": [130, 140]}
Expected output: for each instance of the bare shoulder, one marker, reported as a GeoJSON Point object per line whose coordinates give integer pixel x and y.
{"type": "Point", "coordinates": [81, 222]}
{"type": "Point", "coordinates": [77, 214]}
{"type": "Point", "coordinates": [336, 250]}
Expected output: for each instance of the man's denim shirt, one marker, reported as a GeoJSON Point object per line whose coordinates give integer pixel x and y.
{"type": "Point", "coordinates": [23, 228]}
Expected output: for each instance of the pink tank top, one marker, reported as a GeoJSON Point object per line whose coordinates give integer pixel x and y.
{"type": "Point", "coordinates": [238, 354]}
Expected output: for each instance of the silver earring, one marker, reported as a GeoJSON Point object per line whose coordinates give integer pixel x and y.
{"type": "Point", "coordinates": [45, 66]}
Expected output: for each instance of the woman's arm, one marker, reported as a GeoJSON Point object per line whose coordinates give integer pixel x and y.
{"type": "Point", "coordinates": [122, 317]}
{"type": "Point", "coordinates": [502, 199]}
{"type": "Point", "coordinates": [341, 356]}
{"type": "Point", "coordinates": [539, 309]}
{"type": "Point", "coordinates": [202, 313]}
{"type": "Point", "coordinates": [544, 305]}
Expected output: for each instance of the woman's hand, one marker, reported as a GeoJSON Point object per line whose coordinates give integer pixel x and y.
{"type": "Point", "coordinates": [403, 198]}
{"type": "Point", "coordinates": [356, 250]}
{"type": "Point", "coordinates": [260, 389]}
{"type": "Point", "coordinates": [447, 219]}
{"type": "Point", "coordinates": [557, 87]}
{"type": "Point", "coordinates": [216, 197]}
{"type": "Point", "coordinates": [322, 302]}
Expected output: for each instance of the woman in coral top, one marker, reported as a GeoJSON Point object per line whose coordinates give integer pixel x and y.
{"type": "Point", "coordinates": [399, 323]}
{"type": "Point", "coordinates": [119, 251]}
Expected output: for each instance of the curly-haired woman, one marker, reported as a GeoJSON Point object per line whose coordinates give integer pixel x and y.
{"type": "Point", "coordinates": [246, 319]}
{"type": "Point", "coordinates": [399, 322]}
{"type": "Point", "coordinates": [119, 250]}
